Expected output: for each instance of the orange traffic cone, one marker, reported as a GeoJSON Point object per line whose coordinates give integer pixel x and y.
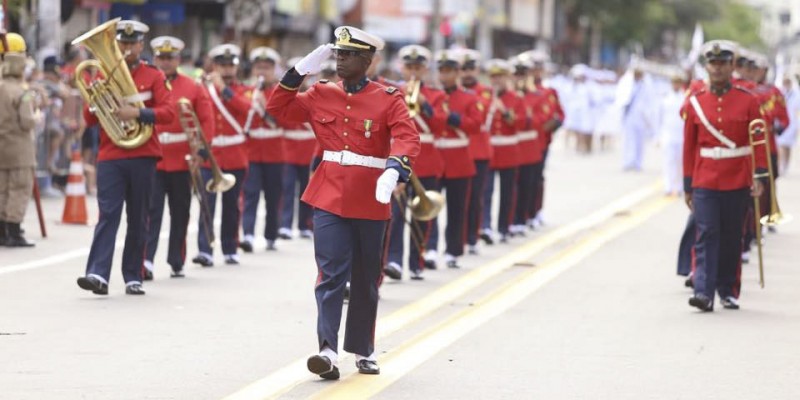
{"type": "Point", "coordinates": [75, 206]}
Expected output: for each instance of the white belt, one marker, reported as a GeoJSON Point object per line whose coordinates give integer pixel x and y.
{"type": "Point", "coordinates": [264, 133]}
{"type": "Point", "coordinates": [299, 134]}
{"type": "Point", "coordinates": [445, 143]}
{"type": "Point", "coordinates": [717, 153]}
{"type": "Point", "coordinates": [169, 138]}
{"type": "Point", "coordinates": [141, 96]}
{"type": "Point", "coordinates": [504, 140]}
{"type": "Point", "coordinates": [426, 138]}
{"type": "Point", "coordinates": [225, 141]}
{"type": "Point", "coordinates": [527, 135]}
{"type": "Point", "coordinates": [349, 158]}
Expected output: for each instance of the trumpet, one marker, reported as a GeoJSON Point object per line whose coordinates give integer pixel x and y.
{"type": "Point", "coordinates": [412, 96]}
{"type": "Point", "coordinates": [758, 127]}
{"type": "Point", "coordinates": [108, 94]}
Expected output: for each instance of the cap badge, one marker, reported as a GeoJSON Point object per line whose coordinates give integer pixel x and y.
{"type": "Point", "coordinates": [716, 49]}
{"type": "Point", "coordinates": [414, 53]}
{"type": "Point", "coordinates": [345, 39]}
{"type": "Point", "coordinates": [129, 29]}
{"type": "Point", "coordinates": [228, 52]}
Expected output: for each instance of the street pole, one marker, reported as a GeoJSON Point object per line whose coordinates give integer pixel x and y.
{"type": "Point", "coordinates": [483, 42]}
{"type": "Point", "coordinates": [437, 40]}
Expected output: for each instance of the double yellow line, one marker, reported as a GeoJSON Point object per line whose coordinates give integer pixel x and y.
{"type": "Point", "coordinates": [286, 378]}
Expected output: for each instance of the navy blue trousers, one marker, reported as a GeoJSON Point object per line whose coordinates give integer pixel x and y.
{"type": "Point", "coordinates": [177, 188]}
{"type": "Point", "coordinates": [525, 193]}
{"type": "Point", "coordinates": [295, 180]}
{"type": "Point", "coordinates": [488, 192]}
{"type": "Point", "coordinates": [475, 209]}
{"type": "Point", "coordinates": [231, 212]}
{"type": "Point", "coordinates": [719, 217]}
{"type": "Point", "coordinates": [347, 249]}
{"type": "Point", "coordinates": [121, 182]}
{"type": "Point", "coordinates": [457, 197]}
{"type": "Point", "coordinates": [266, 177]}
{"type": "Point", "coordinates": [685, 250]}
{"type": "Point", "coordinates": [397, 228]}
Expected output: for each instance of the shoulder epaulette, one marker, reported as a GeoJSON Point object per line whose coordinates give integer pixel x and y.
{"type": "Point", "coordinates": [391, 90]}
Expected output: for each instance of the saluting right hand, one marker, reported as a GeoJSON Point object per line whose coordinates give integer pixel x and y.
{"type": "Point", "coordinates": [216, 79]}
{"type": "Point", "coordinates": [312, 63]}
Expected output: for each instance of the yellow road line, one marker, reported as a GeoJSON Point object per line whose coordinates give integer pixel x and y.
{"type": "Point", "coordinates": [402, 360]}
{"type": "Point", "coordinates": [289, 376]}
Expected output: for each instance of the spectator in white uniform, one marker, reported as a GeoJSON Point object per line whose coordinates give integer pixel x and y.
{"type": "Point", "coordinates": [670, 134]}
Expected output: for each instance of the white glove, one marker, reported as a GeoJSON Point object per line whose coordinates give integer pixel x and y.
{"type": "Point", "coordinates": [312, 62]}
{"type": "Point", "coordinates": [386, 185]}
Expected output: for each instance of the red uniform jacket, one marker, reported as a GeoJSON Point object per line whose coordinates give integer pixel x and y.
{"type": "Point", "coordinates": [174, 142]}
{"type": "Point", "coordinates": [454, 143]}
{"type": "Point", "coordinates": [479, 145]}
{"type": "Point", "coordinates": [773, 107]}
{"type": "Point", "coordinates": [429, 163]}
{"type": "Point", "coordinates": [731, 114]}
{"type": "Point", "coordinates": [553, 107]}
{"type": "Point", "coordinates": [506, 122]}
{"type": "Point", "coordinates": [299, 143]}
{"type": "Point", "coordinates": [154, 89]}
{"type": "Point", "coordinates": [371, 122]}
{"type": "Point", "coordinates": [532, 136]}
{"type": "Point", "coordinates": [228, 140]}
{"type": "Point", "coordinates": [265, 140]}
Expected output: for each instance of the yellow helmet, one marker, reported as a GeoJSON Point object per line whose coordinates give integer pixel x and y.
{"type": "Point", "coordinates": [16, 44]}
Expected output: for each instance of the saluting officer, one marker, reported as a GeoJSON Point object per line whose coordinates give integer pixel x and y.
{"type": "Point", "coordinates": [265, 151]}
{"type": "Point", "coordinates": [479, 145]}
{"type": "Point", "coordinates": [369, 142]}
{"type": "Point", "coordinates": [231, 101]}
{"type": "Point", "coordinates": [125, 176]}
{"type": "Point", "coordinates": [464, 114]}
{"type": "Point", "coordinates": [172, 171]}
{"type": "Point", "coordinates": [718, 176]}
{"type": "Point", "coordinates": [505, 117]}
{"type": "Point", "coordinates": [17, 151]}
{"type": "Point", "coordinates": [430, 121]}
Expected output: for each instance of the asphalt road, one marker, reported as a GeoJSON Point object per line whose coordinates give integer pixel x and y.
{"type": "Point", "coordinates": [587, 308]}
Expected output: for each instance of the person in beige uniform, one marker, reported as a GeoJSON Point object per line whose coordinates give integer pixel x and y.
{"type": "Point", "coordinates": [17, 157]}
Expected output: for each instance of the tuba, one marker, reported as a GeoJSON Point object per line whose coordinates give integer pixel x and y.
{"type": "Point", "coordinates": [116, 88]}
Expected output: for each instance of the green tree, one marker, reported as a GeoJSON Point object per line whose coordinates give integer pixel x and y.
{"type": "Point", "coordinates": [737, 22]}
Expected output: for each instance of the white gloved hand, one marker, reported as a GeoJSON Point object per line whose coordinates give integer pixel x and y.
{"type": "Point", "coordinates": [312, 62]}
{"type": "Point", "coordinates": [386, 185]}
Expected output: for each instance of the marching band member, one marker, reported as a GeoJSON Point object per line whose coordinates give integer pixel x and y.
{"type": "Point", "coordinates": [464, 114]}
{"type": "Point", "coordinates": [125, 176]}
{"type": "Point", "coordinates": [230, 100]}
{"type": "Point", "coordinates": [553, 118]}
{"type": "Point", "coordinates": [430, 121]}
{"type": "Point", "coordinates": [718, 176]}
{"type": "Point", "coordinates": [505, 117]}
{"type": "Point", "coordinates": [369, 143]}
{"type": "Point", "coordinates": [300, 145]}
{"type": "Point", "coordinates": [17, 149]}
{"type": "Point", "coordinates": [265, 151]}
{"type": "Point", "coordinates": [479, 145]}
{"type": "Point", "coordinates": [172, 171]}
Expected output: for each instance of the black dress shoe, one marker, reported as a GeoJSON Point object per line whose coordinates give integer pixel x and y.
{"type": "Point", "coordinates": [177, 273]}
{"type": "Point", "coordinates": [429, 264]}
{"type": "Point", "coordinates": [271, 245]}
{"type": "Point", "coordinates": [323, 367]}
{"type": "Point", "coordinates": [148, 275]}
{"type": "Point", "coordinates": [453, 264]}
{"type": "Point", "coordinates": [246, 246]}
{"type": "Point", "coordinates": [688, 282]}
{"type": "Point", "coordinates": [392, 271]}
{"type": "Point", "coordinates": [702, 302]}
{"type": "Point", "coordinates": [487, 238]}
{"type": "Point", "coordinates": [368, 367]}
{"type": "Point", "coordinates": [134, 289]}
{"type": "Point", "coordinates": [205, 262]}
{"type": "Point", "coordinates": [93, 284]}
{"type": "Point", "coordinates": [285, 236]}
